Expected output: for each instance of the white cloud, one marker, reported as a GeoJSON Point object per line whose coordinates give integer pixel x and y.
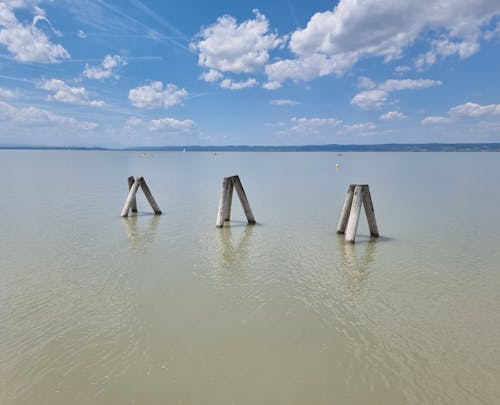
{"type": "Point", "coordinates": [40, 117]}
{"type": "Point", "coordinates": [365, 126]}
{"type": "Point", "coordinates": [333, 41]}
{"type": "Point", "coordinates": [365, 83]}
{"type": "Point", "coordinates": [106, 70]}
{"type": "Point", "coordinates": [474, 110]}
{"type": "Point", "coordinates": [313, 125]}
{"type": "Point", "coordinates": [68, 94]}
{"type": "Point", "coordinates": [445, 48]}
{"type": "Point", "coordinates": [231, 85]}
{"type": "Point", "coordinates": [154, 95]}
{"type": "Point", "coordinates": [377, 98]}
{"type": "Point", "coordinates": [82, 34]}
{"type": "Point", "coordinates": [237, 48]}
{"type": "Point", "coordinates": [284, 102]}
{"type": "Point", "coordinates": [467, 110]}
{"type": "Point", "coordinates": [408, 84]}
{"type": "Point", "coordinates": [165, 124]}
{"type": "Point", "coordinates": [370, 99]}
{"type": "Point", "coordinates": [431, 120]}
{"type": "Point", "coordinates": [402, 69]}
{"type": "Point", "coordinates": [272, 85]}
{"type": "Point", "coordinates": [392, 116]}
{"type": "Point", "coordinates": [6, 93]}
{"type": "Point", "coordinates": [211, 76]}
{"type": "Point", "coordinates": [27, 42]}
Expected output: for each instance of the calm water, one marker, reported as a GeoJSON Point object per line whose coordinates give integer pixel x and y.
{"type": "Point", "coordinates": [96, 309]}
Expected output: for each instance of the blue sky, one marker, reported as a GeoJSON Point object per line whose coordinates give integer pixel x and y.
{"type": "Point", "coordinates": [281, 72]}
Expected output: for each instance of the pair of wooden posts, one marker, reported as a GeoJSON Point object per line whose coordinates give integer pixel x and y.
{"type": "Point", "coordinates": [131, 202]}
{"type": "Point", "coordinates": [226, 199]}
{"type": "Point", "coordinates": [358, 195]}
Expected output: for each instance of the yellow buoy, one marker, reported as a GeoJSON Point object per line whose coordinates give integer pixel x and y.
{"type": "Point", "coordinates": [337, 165]}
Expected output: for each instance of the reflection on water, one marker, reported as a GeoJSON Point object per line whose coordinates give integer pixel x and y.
{"type": "Point", "coordinates": [234, 253]}
{"type": "Point", "coordinates": [95, 309]}
{"type": "Point", "coordinates": [354, 264]}
{"type": "Point", "coordinates": [141, 238]}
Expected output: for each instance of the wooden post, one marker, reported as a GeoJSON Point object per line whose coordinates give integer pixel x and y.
{"type": "Point", "coordinates": [352, 223]}
{"type": "Point", "coordinates": [130, 198]}
{"type": "Point", "coordinates": [344, 216]}
{"type": "Point", "coordinates": [243, 198]}
{"type": "Point", "coordinates": [149, 196]}
{"type": "Point", "coordinates": [221, 213]}
{"type": "Point", "coordinates": [358, 195]}
{"type": "Point", "coordinates": [229, 201]}
{"type": "Point", "coordinates": [370, 213]}
{"type": "Point", "coordinates": [131, 201]}
{"type": "Point", "coordinates": [133, 206]}
{"type": "Point", "coordinates": [226, 200]}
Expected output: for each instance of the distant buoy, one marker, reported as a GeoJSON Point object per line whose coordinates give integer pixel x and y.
{"type": "Point", "coordinates": [337, 165]}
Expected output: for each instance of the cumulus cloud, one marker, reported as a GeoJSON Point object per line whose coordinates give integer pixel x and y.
{"type": "Point", "coordinates": [272, 85]}
{"type": "Point", "coordinates": [6, 93]}
{"type": "Point", "coordinates": [467, 110]}
{"type": "Point", "coordinates": [283, 102]}
{"type": "Point", "coordinates": [232, 85]}
{"type": "Point", "coordinates": [365, 83]}
{"type": "Point", "coordinates": [392, 116]}
{"type": "Point", "coordinates": [431, 120]}
{"type": "Point", "coordinates": [66, 94]}
{"type": "Point", "coordinates": [365, 126]}
{"type": "Point", "coordinates": [313, 125]}
{"type": "Point", "coordinates": [227, 46]}
{"type": "Point", "coordinates": [475, 110]}
{"type": "Point", "coordinates": [154, 95]}
{"type": "Point", "coordinates": [444, 48]}
{"type": "Point", "coordinates": [370, 99]}
{"type": "Point", "coordinates": [40, 117]}
{"type": "Point", "coordinates": [106, 69]}
{"type": "Point", "coordinates": [377, 98]}
{"type": "Point", "coordinates": [27, 42]}
{"type": "Point", "coordinates": [211, 76]}
{"type": "Point", "coordinates": [165, 124]}
{"type": "Point", "coordinates": [333, 41]}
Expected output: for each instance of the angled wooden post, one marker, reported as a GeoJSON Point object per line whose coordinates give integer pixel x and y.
{"type": "Point", "coordinates": [358, 195]}
{"type": "Point", "coordinates": [130, 198]}
{"type": "Point", "coordinates": [149, 196]}
{"type": "Point", "coordinates": [243, 199]}
{"type": "Point", "coordinates": [352, 223]}
{"type": "Point", "coordinates": [344, 216]}
{"type": "Point", "coordinates": [131, 201]}
{"type": "Point", "coordinates": [229, 201]}
{"type": "Point", "coordinates": [370, 213]}
{"type": "Point", "coordinates": [226, 199]}
{"type": "Point", "coordinates": [133, 205]}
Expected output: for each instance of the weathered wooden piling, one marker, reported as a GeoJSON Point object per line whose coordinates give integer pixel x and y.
{"type": "Point", "coordinates": [131, 202]}
{"type": "Point", "coordinates": [226, 199]}
{"type": "Point", "coordinates": [358, 195]}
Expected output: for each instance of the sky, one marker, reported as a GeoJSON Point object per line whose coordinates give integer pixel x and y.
{"type": "Point", "coordinates": [248, 72]}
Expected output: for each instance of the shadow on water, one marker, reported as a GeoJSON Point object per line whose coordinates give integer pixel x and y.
{"type": "Point", "coordinates": [234, 255]}
{"type": "Point", "coordinates": [354, 262]}
{"type": "Point", "coordinates": [141, 238]}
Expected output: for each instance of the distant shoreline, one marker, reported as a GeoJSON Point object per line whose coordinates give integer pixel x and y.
{"type": "Point", "coordinates": [424, 147]}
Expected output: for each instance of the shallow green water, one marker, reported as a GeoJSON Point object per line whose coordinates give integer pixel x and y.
{"type": "Point", "coordinates": [96, 309]}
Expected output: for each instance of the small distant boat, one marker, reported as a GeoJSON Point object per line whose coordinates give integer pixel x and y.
{"type": "Point", "coordinates": [146, 155]}
{"type": "Point", "coordinates": [184, 149]}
